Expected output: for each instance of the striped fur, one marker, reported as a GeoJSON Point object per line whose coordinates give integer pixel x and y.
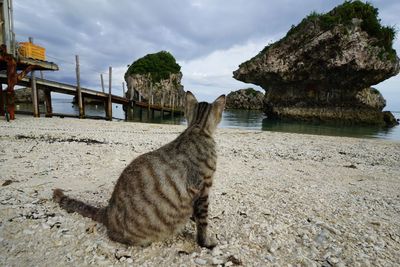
{"type": "Point", "coordinates": [159, 191]}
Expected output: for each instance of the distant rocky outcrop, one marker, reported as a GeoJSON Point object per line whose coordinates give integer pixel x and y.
{"type": "Point", "coordinates": [155, 76]}
{"type": "Point", "coordinates": [245, 99]}
{"type": "Point", "coordinates": [324, 67]}
{"type": "Point", "coordinates": [24, 95]}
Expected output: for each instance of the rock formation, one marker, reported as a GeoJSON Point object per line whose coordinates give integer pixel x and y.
{"type": "Point", "coordinates": [245, 99]}
{"type": "Point", "coordinates": [324, 67]}
{"type": "Point", "coordinates": [142, 84]}
{"type": "Point", "coordinates": [155, 77]}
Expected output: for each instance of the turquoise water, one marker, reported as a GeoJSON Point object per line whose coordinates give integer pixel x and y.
{"type": "Point", "coordinates": [255, 120]}
{"type": "Point", "coordinates": [251, 120]}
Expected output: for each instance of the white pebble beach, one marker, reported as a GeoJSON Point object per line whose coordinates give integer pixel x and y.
{"type": "Point", "coordinates": [277, 199]}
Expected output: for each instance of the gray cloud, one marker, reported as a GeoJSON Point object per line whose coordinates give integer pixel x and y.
{"type": "Point", "coordinates": [115, 33]}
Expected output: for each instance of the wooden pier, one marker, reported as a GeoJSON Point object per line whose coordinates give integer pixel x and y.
{"type": "Point", "coordinates": [51, 86]}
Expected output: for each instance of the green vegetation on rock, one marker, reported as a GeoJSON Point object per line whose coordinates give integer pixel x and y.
{"type": "Point", "coordinates": [159, 65]}
{"type": "Point", "coordinates": [343, 15]}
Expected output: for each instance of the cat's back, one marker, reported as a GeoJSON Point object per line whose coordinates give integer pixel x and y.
{"type": "Point", "coordinates": [151, 192]}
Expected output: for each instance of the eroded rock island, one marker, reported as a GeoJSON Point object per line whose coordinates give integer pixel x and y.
{"type": "Point", "coordinates": [323, 69]}
{"type": "Point", "coordinates": [155, 77]}
{"type": "Point", "coordinates": [245, 99]}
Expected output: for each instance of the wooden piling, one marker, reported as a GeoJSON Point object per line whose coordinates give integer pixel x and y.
{"type": "Point", "coordinates": [173, 102]}
{"type": "Point", "coordinates": [2, 113]}
{"type": "Point", "coordinates": [150, 94]}
{"type": "Point", "coordinates": [34, 92]}
{"type": "Point", "coordinates": [109, 103]}
{"type": "Point", "coordinates": [162, 104]}
{"type": "Point", "coordinates": [124, 108]}
{"type": "Point", "coordinates": [78, 89]}
{"type": "Point", "coordinates": [35, 104]}
{"type": "Point", "coordinates": [162, 100]}
{"type": "Point", "coordinates": [47, 101]}
{"type": "Point", "coordinates": [149, 99]}
{"type": "Point", "coordinates": [102, 82]}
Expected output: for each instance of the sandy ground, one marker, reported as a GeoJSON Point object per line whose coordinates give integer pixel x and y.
{"type": "Point", "coordinates": [278, 199]}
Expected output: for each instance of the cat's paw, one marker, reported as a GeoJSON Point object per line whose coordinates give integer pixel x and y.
{"type": "Point", "coordinates": [209, 242]}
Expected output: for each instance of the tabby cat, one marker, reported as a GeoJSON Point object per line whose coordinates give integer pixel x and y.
{"type": "Point", "coordinates": [159, 191]}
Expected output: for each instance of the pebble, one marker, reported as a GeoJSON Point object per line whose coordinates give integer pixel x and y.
{"type": "Point", "coordinates": [217, 261]}
{"type": "Point", "coordinates": [129, 260]}
{"type": "Point", "coordinates": [216, 252]}
{"type": "Point", "coordinates": [28, 232]}
{"type": "Point", "coordinates": [270, 257]}
{"type": "Point", "coordinates": [45, 226]}
{"type": "Point", "coordinates": [200, 261]}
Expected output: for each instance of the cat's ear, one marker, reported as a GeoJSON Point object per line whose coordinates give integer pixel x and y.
{"type": "Point", "coordinates": [218, 106]}
{"type": "Point", "coordinates": [191, 102]}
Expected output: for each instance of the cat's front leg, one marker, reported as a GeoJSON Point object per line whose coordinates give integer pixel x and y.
{"type": "Point", "coordinates": [200, 213]}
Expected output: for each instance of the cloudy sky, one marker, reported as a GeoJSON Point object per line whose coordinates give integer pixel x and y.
{"type": "Point", "coordinates": [209, 38]}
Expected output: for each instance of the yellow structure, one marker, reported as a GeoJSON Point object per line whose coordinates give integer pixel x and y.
{"type": "Point", "coordinates": [29, 50]}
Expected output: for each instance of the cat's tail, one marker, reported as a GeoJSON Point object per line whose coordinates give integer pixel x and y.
{"type": "Point", "coordinates": [73, 205]}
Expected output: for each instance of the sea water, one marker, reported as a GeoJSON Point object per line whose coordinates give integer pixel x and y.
{"type": "Point", "coordinates": [243, 119]}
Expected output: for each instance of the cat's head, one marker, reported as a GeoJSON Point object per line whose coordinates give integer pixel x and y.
{"type": "Point", "coordinates": [204, 115]}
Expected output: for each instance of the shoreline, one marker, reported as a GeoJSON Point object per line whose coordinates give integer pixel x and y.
{"type": "Point", "coordinates": [278, 198]}
{"type": "Point", "coordinates": [239, 119]}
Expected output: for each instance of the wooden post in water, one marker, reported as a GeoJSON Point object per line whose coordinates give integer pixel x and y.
{"type": "Point", "coordinates": [152, 103]}
{"type": "Point", "coordinates": [150, 94]}
{"type": "Point", "coordinates": [78, 89]}
{"type": "Point", "coordinates": [162, 100]}
{"type": "Point", "coordinates": [162, 105]}
{"type": "Point", "coordinates": [102, 82]}
{"type": "Point", "coordinates": [149, 99]}
{"type": "Point", "coordinates": [47, 100]}
{"type": "Point", "coordinates": [173, 102]}
{"type": "Point", "coordinates": [109, 105]}
{"type": "Point", "coordinates": [124, 107]}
